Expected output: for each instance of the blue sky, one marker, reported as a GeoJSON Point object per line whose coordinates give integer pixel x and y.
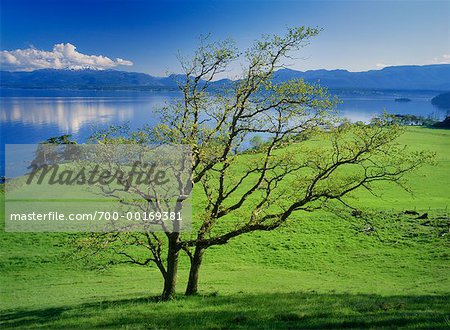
{"type": "Point", "coordinates": [357, 35]}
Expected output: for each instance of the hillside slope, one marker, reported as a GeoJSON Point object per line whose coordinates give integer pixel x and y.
{"type": "Point", "coordinates": [319, 271]}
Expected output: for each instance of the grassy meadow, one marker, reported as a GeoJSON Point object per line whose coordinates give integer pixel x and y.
{"type": "Point", "coordinates": [318, 271]}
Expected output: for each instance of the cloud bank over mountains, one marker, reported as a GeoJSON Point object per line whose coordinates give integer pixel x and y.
{"type": "Point", "coordinates": [64, 55]}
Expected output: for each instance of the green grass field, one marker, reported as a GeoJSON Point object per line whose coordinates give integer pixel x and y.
{"type": "Point", "coordinates": [319, 271]}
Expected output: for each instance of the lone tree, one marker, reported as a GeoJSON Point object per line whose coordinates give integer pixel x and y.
{"type": "Point", "coordinates": [309, 158]}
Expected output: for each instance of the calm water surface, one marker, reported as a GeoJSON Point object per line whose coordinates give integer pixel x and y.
{"type": "Point", "coordinates": [34, 116]}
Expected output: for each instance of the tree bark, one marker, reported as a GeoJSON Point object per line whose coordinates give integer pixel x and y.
{"type": "Point", "coordinates": [196, 261]}
{"type": "Point", "coordinates": [170, 278]}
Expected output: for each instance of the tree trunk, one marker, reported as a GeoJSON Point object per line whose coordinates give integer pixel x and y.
{"type": "Point", "coordinates": [196, 261]}
{"type": "Point", "coordinates": [170, 278]}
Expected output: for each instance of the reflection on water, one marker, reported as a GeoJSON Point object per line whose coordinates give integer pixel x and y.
{"type": "Point", "coordinates": [35, 119]}
{"type": "Point", "coordinates": [34, 116]}
{"type": "Point", "coordinates": [363, 108]}
{"type": "Point", "coordinates": [69, 116]}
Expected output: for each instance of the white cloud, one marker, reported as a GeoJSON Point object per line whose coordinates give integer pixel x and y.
{"type": "Point", "coordinates": [444, 59]}
{"type": "Point", "coordinates": [121, 61]}
{"type": "Point", "coordinates": [62, 56]}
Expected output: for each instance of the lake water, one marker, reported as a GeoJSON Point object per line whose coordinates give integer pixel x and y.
{"type": "Point", "coordinates": [32, 116]}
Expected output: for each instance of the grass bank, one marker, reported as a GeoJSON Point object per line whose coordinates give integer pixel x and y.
{"type": "Point", "coordinates": [319, 271]}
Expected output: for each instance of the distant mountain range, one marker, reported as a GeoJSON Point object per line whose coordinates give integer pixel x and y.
{"type": "Point", "coordinates": [84, 79]}
{"type": "Point", "coordinates": [411, 77]}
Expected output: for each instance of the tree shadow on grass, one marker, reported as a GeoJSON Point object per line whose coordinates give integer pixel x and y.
{"type": "Point", "coordinates": [275, 311]}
